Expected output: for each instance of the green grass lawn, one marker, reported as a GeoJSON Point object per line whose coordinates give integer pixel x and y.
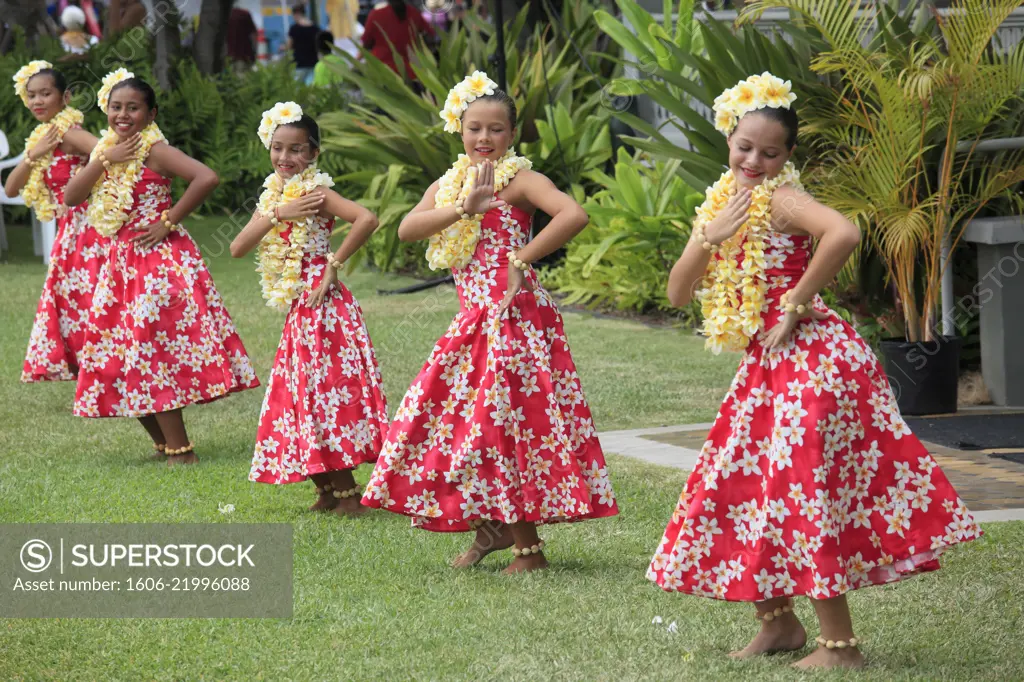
{"type": "Point", "coordinates": [375, 599]}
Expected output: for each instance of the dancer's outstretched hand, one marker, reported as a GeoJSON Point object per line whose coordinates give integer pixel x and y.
{"type": "Point", "coordinates": [730, 219]}
{"type": "Point", "coordinates": [516, 282]}
{"type": "Point", "coordinates": [320, 294]}
{"type": "Point", "coordinates": [778, 336]}
{"type": "Point", "coordinates": [481, 197]}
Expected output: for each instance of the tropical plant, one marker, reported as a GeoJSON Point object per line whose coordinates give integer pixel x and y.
{"type": "Point", "coordinates": [393, 138]}
{"type": "Point", "coordinates": [572, 143]}
{"type": "Point", "coordinates": [214, 119]}
{"type": "Point", "coordinates": [684, 65]}
{"type": "Point", "coordinates": [903, 128]}
{"type": "Point", "coordinates": [639, 223]}
{"type": "Point", "coordinates": [211, 118]}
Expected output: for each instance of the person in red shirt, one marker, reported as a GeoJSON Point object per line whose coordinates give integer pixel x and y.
{"type": "Point", "coordinates": [241, 39]}
{"type": "Point", "coordinates": [394, 24]}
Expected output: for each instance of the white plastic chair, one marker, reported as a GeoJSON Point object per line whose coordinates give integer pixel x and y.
{"type": "Point", "coordinates": [43, 234]}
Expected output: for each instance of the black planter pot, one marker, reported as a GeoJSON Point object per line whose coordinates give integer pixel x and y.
{"type": "Point", "coordinates": [923, 375]}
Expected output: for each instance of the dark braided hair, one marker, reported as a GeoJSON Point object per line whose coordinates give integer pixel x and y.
{"type": "Point", "coordinates": [400, 8]}
{"type": "Point", "coordinates": [788, 119]}
{"type": "Point", "coordinates": [140, 86]}
{"type": "Point", "coordinates": [59, 81]}
{"type": "Point", "coordinates": [308, 124]}
{"type": "Point", "coordinates": [501, 97]}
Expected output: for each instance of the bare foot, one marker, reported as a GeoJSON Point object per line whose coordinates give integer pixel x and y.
{"type": "Point", "coordinates": [325, 501]}
{"type": "Point", "coordinates": [822, 657]}
{"type": "Point", "coordinates": [785, 633]}
{"type": "Point", "coordinates": [490, 537]}
{"type": "Point", "coordinates": [157, 454]}
{"type": "Point", "coordinates": [526, 564]}
{"type": "Point", "coordinates": [185, 459]}
{"type": "Point", "coordinates": [349, 506]}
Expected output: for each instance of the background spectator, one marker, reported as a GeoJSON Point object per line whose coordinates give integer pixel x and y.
{"type": "Point", "coordinates": [323, 74]}
{"type": "Point", "coordinates": [302, 43]}
{"type": "Point", "coordinates": [345, 26]}
{"type": "Point", "coordinates": [92, 14]}
{"type": "Point", "coordinates": [394, 24]}
{"type": "Point", "coordinates": [434, 14]}
{"type": "Point", "coordinates": [241, 40]}
{"type": "Point", "coordinates": [74, 39]}
{"type": "Point", "coordinates": [123, 15]}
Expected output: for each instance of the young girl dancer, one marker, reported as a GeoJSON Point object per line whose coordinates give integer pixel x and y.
{"type": "Point", "coordinates": [324, 412]}
{"type": "Point", "coordinates": [54, 151]}
{"type": "Point", "coordinates": [159, 337]}
{"type": "Point", "coordinates": [494, 435]}
{"type": "Point", "coordinates": [810, 482]}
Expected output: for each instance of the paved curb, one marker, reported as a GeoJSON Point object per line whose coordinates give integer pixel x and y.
{"type": "Point", "coordinates": [631, 443]}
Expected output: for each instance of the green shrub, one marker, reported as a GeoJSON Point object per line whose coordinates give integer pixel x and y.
{"type": "Point", "coordinates": [211, 118]}
{"type": "Point", "coordinates": [639, 224]}
{"type": "Point", "coordinates": [395, 142]}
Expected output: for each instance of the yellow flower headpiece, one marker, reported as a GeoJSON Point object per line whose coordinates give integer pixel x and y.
{"type": "Point", "coordinates": [756, 92]}
{"type": "Point", "coordinates": [475, 85]}
{"type": "Point", "coordinates": [281, 113]}
{"type": "Point", "coordinates": [109, 82]}
{"type": "Point", "coordinates": [25, 74]}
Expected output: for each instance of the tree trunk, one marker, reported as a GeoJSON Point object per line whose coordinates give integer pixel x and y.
{"type": "Point", "coordinates": [167, 37]}
{"type": "Point", "coordinates": [30, 15]}
{"type": "Point", "coordinates": [210, 38]}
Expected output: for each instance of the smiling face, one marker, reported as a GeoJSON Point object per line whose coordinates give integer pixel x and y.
{"type": "Point", "coordinates": [127, 112]}
{"type": "Point", "coordinates": [757, 150]}
{"type": "Point", "coordinates": [487, 132]}
{"type": "Point", "coordinates": [290, 151]}
{"type": "Point", "coordinates": [45, 100]}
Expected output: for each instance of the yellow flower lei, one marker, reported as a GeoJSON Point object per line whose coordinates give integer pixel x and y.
{"type": "Point", "coordinates": [112, 196]}
{"type": "Point", "coordinates": [732, 294]}
{"type": "Point", "coordinates": [279, 260]}
{"type": "Point", "coordinates": [35, 192]}
{"type": "Point", "coordinates": [453, 247]}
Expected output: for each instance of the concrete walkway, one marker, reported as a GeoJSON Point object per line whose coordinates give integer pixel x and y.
{"type": "Point", "coordinates": [993, 489]}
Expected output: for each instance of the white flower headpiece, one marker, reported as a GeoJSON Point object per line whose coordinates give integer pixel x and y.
{"type": "Point", "coordinates": [109, 82]}
{"type": "Point", "coordinates": [281, 113]}
{"type": "Point", "coordinates": [756, 92]}
{"type": "Point", "coordinates": [473, 86]}
{"type": "Point", "coordinates": [25, 74]}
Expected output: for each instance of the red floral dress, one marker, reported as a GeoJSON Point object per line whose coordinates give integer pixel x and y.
{"type": "Point", "coordinates": [159, 337]}
{"type": "Point", "coordinates": [495, 426]}
{"type": "Point", "coordinates": [324, 409]}
{"type": "Point", "coordinates": [810, 482]}
{"type": "Point", "coordinates": [58, 331]}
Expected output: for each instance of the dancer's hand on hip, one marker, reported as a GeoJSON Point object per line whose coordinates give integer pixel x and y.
{"type": "Point", "coordinates": [320, 294]}
{"type": "Point", "coordinates": [148, 236]}
{"type": "Point", "coordinates": [779, 335]}
{"type": "Point", "coordinates": [516, 282]}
